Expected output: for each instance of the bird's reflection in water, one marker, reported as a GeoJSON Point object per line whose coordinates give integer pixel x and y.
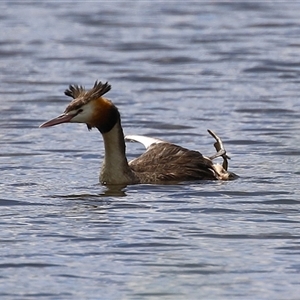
{"type": "Point", "coordinates": [114, 190]}
{"type": "Point", "coordinates": [106, 191]}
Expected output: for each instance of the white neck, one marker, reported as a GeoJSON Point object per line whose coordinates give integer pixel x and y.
{"type": "Point", "coordinates": [115, 169]}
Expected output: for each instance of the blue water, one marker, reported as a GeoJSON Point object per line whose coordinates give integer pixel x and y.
{"type": "Point", "coordinates": [176, 69]}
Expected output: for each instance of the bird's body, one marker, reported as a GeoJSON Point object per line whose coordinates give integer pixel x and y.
{"type": "Point", "coordinates": [161, 162]}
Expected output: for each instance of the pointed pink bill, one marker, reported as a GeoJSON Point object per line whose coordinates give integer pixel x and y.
{"type": "Point", "coordinates": [64, 118]}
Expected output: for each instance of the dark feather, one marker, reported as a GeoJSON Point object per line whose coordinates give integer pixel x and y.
{"type": "Point", "coordinates": [98, 90]}
{"type": "Point", "coordinates": [82, 96]}
{"type": "Point", "coordinates": [165, 161]}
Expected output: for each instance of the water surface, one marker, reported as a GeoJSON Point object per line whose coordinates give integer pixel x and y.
{"type": "Point", "coordinates": [175, 71]}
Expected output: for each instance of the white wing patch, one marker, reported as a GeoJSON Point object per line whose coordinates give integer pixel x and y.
{"type": "Point", "coordinates": [145, 140]}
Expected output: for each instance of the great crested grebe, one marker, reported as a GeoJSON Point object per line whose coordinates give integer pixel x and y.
{"type": "Point", "coordinates": [161, 162]}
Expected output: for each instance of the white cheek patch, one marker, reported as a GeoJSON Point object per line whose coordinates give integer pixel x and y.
{"type": "Point", "coordinates": [84, 116]}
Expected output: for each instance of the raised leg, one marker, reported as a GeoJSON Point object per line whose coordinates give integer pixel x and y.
{"type": "Point", "coordinates": [220, 150]}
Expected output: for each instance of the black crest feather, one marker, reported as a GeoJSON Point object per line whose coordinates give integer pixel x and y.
{"type": "Point", "coordinates": [98, 90]}
{"type": "Point", "coordinates": [75, 91]}
{"type": "Point", "coordinates": [82, 96]}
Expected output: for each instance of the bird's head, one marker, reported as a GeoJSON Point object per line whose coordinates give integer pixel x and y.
{"type": "Point", "coordinates": [89, 107]}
